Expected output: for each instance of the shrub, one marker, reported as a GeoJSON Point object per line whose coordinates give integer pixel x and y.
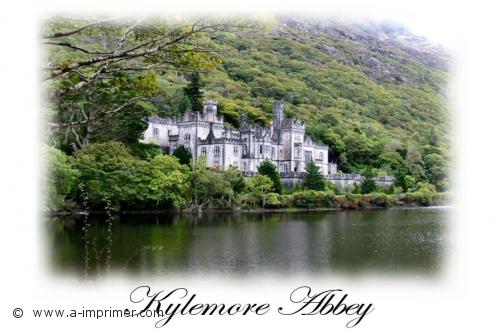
{"type": "Point", "coordinates": [110, 173]}
{"type": "Point", "coordinates": [145, 151]}
{"type": "Point", "coordinates": [183, 154]}
{"type": "Point", "coordinates": [313, 178]}
{"type": "Point", "coordinates": [272, 200]}
{"type": "Point", "coordinates": [268, 169]}
{"type": "Point", "coordinates": [61, 178]}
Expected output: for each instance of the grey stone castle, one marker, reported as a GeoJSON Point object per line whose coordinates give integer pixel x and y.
{"type": "Point", "coordinates": [284, 142]}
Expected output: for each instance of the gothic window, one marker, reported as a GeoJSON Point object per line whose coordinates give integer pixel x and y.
{"type": "Point", "coordinates": [156, 131]}
{"type": "Point", "coordinates": [297, 138]}
{"type": "Point", "coordinates": [216, 150]}
{"type": "Point", "coordinates": [284, 167]}
{"type": "Point", "coordinates": [187, 137]}
{"type": "Point", "coordinates": [203, 151]}
{"type": "Point", "coordinates": [235, 150]}
{"type": "Point", "coordinates": [168, 132]}
{"type": "Point", "coordinates": [260, 149]}
{"type": "Point", "coordinates": [321, 156]}
{"type": "Point", "coordinates": [308, 156]}
{"type": "Point", "coordinates": [273, 152]}
{"type": "Point", "coordinates": [298, 152]}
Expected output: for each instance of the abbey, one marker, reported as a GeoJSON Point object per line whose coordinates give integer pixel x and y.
{"type": "Point", "coordinates": [284, 142]}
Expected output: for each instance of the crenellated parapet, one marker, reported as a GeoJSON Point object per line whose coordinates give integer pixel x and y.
{"type": "Point", "coordinates": [291, 123]}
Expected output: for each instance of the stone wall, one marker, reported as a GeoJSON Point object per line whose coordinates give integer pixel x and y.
{"type": "Point", "coordinates": [292, 179]}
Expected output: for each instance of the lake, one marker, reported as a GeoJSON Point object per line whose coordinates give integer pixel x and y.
{"type": "Point", "coordinates": [385, 240]}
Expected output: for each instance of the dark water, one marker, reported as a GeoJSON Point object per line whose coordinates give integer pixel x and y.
{"type": "Point", "coordinates": [388, 240]}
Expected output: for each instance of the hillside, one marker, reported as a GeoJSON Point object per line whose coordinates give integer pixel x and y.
{"type": "Point", "coordinates": [372, 91]}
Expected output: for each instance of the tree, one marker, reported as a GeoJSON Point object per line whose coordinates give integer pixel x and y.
{"type": "Point", "coordinates": [437, 169]}
{"type": "Point", "coordinates": [400, 181]}
{"type": "Point", "coordinates": [268, 169]}
{"type": "Point", "coordinates": [145, 151]}
{"type": "Point", "coordinates": [109, 173]}
{"type": "Point", "coordinates": [313, 178]}
{"type": "Point", "coordinates": [368, 185]}
{"type": "Point", "coordinates": [258, 185]}
{"type": "Point", "coordinates": [169, 180]}
{"type": "Point", "coordinates": [183, 154]}
{"type": "Point", "coordinates": [61, 178]}
{"type": "Point", "coordinates": [101, 75]}
{"type": "Point", "coordinates": [205, 185]}
{"type": "Point", "coordinates": [235, 178]}
{"type": "Point", "coordinates": [194, 93]}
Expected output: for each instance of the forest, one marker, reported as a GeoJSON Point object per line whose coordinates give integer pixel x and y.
{"type": "Point", "coordinates": [372, 91]}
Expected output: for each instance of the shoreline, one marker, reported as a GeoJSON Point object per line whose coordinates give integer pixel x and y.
{"type": "Point", "coordinates": [236, 211]}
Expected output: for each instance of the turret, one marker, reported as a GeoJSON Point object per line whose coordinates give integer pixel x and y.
{"type": "Point", "coordinates": [210, 110]}
{"type": "Point", "coordinates": [278, 109]}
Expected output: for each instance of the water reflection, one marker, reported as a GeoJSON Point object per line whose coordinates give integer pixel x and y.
{"type": "Point", "coordinates": [342, 241]}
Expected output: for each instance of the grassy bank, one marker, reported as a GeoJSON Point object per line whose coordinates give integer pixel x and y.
{"type": "Point", "coordinates": [327, 199]}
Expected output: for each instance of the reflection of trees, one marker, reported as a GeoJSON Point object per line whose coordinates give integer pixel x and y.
{"type": "Point", "coordinates": [352, 241]}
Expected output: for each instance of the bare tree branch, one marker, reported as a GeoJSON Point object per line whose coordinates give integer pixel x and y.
{"type": "Point", "coordinates": [68, 45]}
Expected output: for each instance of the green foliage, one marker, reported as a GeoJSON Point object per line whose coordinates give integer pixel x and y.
{"type": "Point", "coordinates": [183, 154]}
{"type": "Point", "coordinates": [108, 172]}
{"type": "Point", "coordinates": [168, 180]}
{"type": "Point", "coordinates": [257, 186]}
{"type": "Point", "coordinates": [272, 200]}
{"type": "Point", "coordinates": [194, 93]}
{"type": "Point", "coordinates": [144, 151]}
{"type": "Point", "coordinates": [368, 186]}
{"type": "Point", "coordinates": [313, 178]}
{"type": "Point", "coordinates": [391, 116]}
{"type": "Point", "coordinates": [103, 78]}
{"type": "Point", "coordinates": [61, 178]}
{"type": "Point", "coordinates": [268, 169]}
{"type": "Point", "coordinates": [235, 179]}
{"type": "Point", "coordinates": [206, 187]}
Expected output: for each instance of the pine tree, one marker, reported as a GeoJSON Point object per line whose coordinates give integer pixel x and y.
{"type": "Point", "coordinates": [368, 185]}
{"type": "Point", "coordinates": [313, 179]}
{"type": "Point", "coordinates": [194, 92]}
{"type": "Point", "coordinates": [268, 169]}
{"type": "Point", "coordinates": [183, 154]}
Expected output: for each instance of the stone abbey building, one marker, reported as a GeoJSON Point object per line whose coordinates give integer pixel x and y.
{"type": "Point", "coordinates": [284, 142]}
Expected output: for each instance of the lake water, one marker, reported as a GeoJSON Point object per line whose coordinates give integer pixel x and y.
{"type": "Point", "coordinates": [386, 240]}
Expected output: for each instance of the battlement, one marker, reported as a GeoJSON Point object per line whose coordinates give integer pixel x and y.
{"type": "Point", "coordinates": [290, 123]}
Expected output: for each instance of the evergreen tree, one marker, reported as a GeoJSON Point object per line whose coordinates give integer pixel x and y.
{"type": "Point", "coordinates": [194, 92]}
{"type": "Point", "coordinates": [313, 179]}
{"type": "Point", "coordinates": [268, 169]}
{"type": "Point", "coordinates": [183, 155]}
{"type": "Point", "coordinates": [184, 104]}
{"type": "Point", "coordinates": [368, 186]}
{"type": "Point", "coordinates": [400, 179]}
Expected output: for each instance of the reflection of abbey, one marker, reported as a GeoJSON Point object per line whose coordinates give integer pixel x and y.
{"type": "Point", "coordinates": [284, 142]}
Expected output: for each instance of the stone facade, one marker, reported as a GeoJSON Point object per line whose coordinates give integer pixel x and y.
{"type": "Point", "coordinates": [284, 142]}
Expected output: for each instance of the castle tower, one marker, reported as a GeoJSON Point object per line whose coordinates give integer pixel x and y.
{"type": "Point", "coordinates": [278, 115]}
{"type": "Point", "coordinates": [210, 110]}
